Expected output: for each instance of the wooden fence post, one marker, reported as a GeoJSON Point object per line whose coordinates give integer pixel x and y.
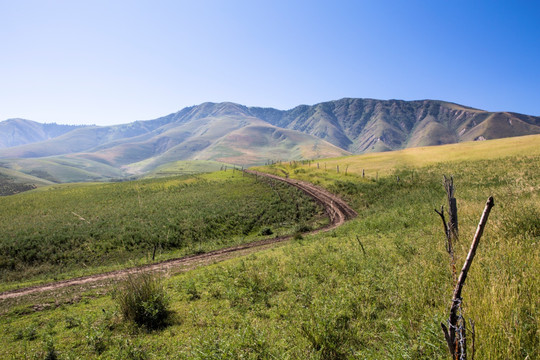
{"type": "Point", "coordinates": [455, 333]}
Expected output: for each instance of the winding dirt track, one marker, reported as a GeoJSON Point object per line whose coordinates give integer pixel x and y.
{"type": "Point", "coordinates": [337, 210]}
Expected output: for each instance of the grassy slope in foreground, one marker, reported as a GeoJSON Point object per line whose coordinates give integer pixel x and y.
{"type": "Point", "coordinates": [323, 298]}
{"type": "Point", "coordinates": [81, 227]}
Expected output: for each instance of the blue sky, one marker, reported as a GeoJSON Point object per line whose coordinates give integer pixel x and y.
{"type": "Point", "coordinates": [111, 62]}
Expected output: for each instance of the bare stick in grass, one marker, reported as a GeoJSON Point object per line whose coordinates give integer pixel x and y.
{"type": "Point", "coordinates": [361, 245]}
{"type": "Point", "coordinates": [452, 207]}
{"type": "Point", "coordinates": [450, 334]}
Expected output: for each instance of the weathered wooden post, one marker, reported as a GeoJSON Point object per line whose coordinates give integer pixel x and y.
{"type": "Point", "coordinates": [455, 333]}
{"type": "Point", "coordinates": [452, 208]}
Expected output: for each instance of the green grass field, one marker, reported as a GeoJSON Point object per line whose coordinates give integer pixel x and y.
{"type": "Point", "coordinates": [322, 296]}
{"type": "Point", "coordinates": [59, 231]}
{"type": "Point", "coordinates": [188, 167]}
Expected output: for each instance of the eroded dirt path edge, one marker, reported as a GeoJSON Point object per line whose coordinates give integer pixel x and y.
{"type": "Point", "coordinates": [337, 210]}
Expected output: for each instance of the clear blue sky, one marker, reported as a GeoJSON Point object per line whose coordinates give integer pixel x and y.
{"type": "Point", "coordinates": [111, 62]}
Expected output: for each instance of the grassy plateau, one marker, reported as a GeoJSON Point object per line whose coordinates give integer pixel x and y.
{"type": "Point", "coordinates": [377, 287]}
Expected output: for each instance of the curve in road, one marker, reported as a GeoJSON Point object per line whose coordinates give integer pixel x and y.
{"type": "Point", "coordinates": [337, 210]}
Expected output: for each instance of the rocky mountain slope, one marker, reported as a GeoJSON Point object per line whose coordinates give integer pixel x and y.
{"type": "Point", "coordinates": [366, 125]}
{"type": "Point", "coordinates": [243, 135]}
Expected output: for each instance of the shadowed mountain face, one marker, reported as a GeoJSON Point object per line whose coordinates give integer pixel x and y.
{"type": "Point", "coordinates": [243, 135]}
{"type": "Point", "coordinates": [366, 125]}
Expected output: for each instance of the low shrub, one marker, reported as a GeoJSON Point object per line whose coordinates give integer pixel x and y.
{"type": "Point", "coordinates": [143, 301]}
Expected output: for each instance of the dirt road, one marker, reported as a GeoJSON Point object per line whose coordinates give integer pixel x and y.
{"type": "Point", "coordinates": [337, 210]}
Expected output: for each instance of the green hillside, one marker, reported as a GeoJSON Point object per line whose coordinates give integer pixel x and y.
{"type": "Point", "coordinates": [188, 167]}
{"type": "Point", "coordinates": [259, 144]}
{"type": "Point", "coordinates": [376, 288]}
{"type": "Point", "coordinates": [13, 182]}
{"type": "Point", "coordinates": [64, 169]}
{"type": "Point", "coordinates": [52, 232]}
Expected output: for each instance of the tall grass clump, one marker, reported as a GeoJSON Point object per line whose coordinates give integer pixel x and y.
{"type": "Point", "coordinates": [142, 300]}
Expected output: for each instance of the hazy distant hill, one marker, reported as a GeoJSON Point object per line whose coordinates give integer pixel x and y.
{"type": "Point", "coordinates": [14, 132]}
{"type": "Point", "coordinates": [241, 135]}
{"type": "Point", "coordinates": [223, 132]}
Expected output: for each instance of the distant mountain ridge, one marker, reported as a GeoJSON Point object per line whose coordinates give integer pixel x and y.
{"type": "Point", "coordinates": [15, 132]}
{"type": "Point", "coordinates": [242, 135]}
{"type": "Point", "coordinates": [366, 125]}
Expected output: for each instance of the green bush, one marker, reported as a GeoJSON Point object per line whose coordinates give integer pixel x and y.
{"type": "Point", "coordinates": [143, 301]}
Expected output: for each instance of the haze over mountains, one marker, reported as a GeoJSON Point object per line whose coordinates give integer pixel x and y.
{"type": "Point", "coordinates": [237, 134]}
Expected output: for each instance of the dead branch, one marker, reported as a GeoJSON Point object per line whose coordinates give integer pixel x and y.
{"type": "Point", "coordinates": [449, 245]}
{"type": "Point", "coordinates": [445, 226]}
{"type": "Point", "coordinates": [452, 338]}
{"type": "Point", "coordinates": [474, 246]}
{"type": "Point", "coordinates": [473, 333]}
{"type": "Point", "coordinates": [80, 217]}
{"type": "Point", "coordinates": [361, 245]}
{"type": "Point", "coordinates": [452, 207]}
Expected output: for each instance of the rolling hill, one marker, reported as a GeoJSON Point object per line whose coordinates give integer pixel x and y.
{"type": "Point", "coordinates": [15, 132]}
{"type": "Point", "coordinates": [241, 135]}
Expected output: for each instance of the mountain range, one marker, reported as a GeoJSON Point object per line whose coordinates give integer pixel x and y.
{"type": "Point", "coordinates": [237, 134]}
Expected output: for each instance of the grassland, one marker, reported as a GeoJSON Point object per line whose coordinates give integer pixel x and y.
{"type": "Point", "coordinates": [13, 182]}
{"type": "Point", "coordinates": [322, 296]}
{"type": "Point", "coordinates": [63, 169]}
{"type": "Point", "coordinates": [65, 229]}
{"type": "Point", "coordinates": [188, 167]}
